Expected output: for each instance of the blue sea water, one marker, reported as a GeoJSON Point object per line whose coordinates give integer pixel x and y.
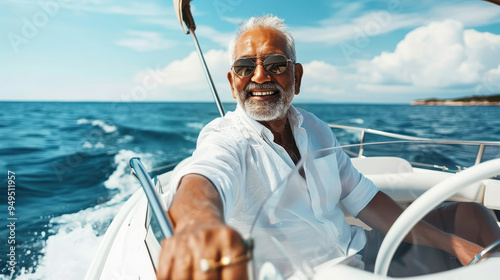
{"type": "Point", "coordinates": [71, 164]}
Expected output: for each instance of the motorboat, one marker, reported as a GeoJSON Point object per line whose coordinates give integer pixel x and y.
{"type": "Point", "coordinates": [418, 173]}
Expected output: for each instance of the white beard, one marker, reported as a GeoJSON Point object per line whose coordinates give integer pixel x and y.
{"type": "Point", "coordinates": [266, 110]}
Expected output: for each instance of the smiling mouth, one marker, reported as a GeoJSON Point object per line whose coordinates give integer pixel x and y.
{"type": "Point", "coordinates": [263, 93]}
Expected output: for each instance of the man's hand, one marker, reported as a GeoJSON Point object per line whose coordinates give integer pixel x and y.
{"type": "Point", "coordinates": [201, 236]}
{"type": "Point", "coordinates": [181, 255]}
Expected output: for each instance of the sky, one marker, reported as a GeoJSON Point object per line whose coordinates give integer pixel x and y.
{"type": "Point", "coordinates": [391, 51]}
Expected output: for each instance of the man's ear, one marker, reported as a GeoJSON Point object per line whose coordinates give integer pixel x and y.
{"type": "Point", "coordinates": [230, 79]}
{"type": "Point", "coordinates": [298, 77]}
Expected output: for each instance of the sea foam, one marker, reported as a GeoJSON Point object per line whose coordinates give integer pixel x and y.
{"type": "Point", "coordinates": [75, 238]}
{"type": "Point", "coordinates": [98, 123]}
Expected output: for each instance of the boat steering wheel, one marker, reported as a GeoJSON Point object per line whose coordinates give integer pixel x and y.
{"type": "Point", "coordinates": [429, 200]}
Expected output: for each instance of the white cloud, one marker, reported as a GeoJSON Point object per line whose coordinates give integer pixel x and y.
{"type": "Point", "coordinates": [367, 25]}
{"type": "Point", "coordinates": [170, 23]}
{"type": "Point", "coordinates": [320, 92]}
{"type": "Point", "coordinates": [18, 89]}
{"type": "Point", "coordinates": [322, 81]}
{"type": "Point", "coordinates": [343, 26]}
{"type": "Point", "coordinates": [483, 47]}
{"type": "Point", "coordinates": [188, 71]}
{"type": "Point", "coordinates": [145, 41]}
{"type": "Point", "coordinates": [233, 20]}
{"type": "Point", "coordinates": [470, 14]}
{"type": "Point", "coordinates": [438, 55]}
{"type": "Point", "coordinates": [221, 38]}
{"type": "Point", "coordinates": [344, 11]}
{"type": "Point", "coordinates": [439, 58]}
{"type": "Point", "coordinates": [493, 76]}
{"type": "Point", "coordinates": [321, 72]}
{"type": "Point", "coordinates": [185, 80]}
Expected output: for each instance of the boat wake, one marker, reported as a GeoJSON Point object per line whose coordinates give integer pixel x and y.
{"type": "Point", "coordinates": [73, 239]}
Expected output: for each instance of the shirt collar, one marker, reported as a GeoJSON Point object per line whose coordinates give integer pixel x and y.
{"type": "Point", "coordinates": [294, 116]}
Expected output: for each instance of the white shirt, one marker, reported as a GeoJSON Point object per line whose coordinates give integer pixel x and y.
{"type": "Point", "coordinates": [238, 155]}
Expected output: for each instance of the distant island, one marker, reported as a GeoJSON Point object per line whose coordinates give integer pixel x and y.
{"type": "Point", "coordinates": [477, 100]}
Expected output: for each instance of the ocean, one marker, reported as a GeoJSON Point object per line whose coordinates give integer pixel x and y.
{"type": "Point", "coordinates": [68, 164]}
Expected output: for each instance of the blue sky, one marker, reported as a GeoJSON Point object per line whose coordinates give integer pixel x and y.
{"type": "Point", "coordinates": [391, 51]}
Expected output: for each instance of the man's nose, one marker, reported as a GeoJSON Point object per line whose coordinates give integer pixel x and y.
{"type": "Point", "coordinates": [260, 75]}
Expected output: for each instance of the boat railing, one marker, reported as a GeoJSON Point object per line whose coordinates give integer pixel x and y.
{"type": "Point", "coordinates": [364, 131]}
{"type": "Point", "coordinates": [140, 172]}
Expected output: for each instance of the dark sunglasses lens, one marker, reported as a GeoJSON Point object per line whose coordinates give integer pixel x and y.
{"type": "Point", "coordinates": [275, 64]}
{"type": "Point", "coordinates": [243, 67]}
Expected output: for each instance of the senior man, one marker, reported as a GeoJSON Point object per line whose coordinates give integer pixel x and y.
{"type": "Point", "coordinates": [241, 158]}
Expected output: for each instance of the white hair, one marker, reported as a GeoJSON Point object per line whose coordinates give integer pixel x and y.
{"type": "Point", "coordinates": [268, 21]}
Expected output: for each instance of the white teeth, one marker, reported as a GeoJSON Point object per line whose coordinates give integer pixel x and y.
{"type": "Point", "coordinates": [262, 93]}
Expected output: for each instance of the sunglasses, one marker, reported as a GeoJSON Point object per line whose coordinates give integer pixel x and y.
{"type": "Point", "coordinates": [274, 64]}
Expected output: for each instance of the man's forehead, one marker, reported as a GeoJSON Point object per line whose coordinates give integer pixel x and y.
{"type": "Point", "coordinates": [260, 41]}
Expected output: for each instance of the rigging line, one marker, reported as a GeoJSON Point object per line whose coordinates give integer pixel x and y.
{"type": "Point", "coordinates": [207, 74]}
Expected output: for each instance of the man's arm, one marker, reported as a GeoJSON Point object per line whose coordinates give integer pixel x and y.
{"type": "Point", "coordinates": [199, 233]}
{"type": "Point", "coordinates": [381, 212]}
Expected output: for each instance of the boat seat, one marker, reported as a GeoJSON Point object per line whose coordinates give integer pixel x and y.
{"type": "Point", "coordinates": [381, 165]}
{"type": "Point", "coordinates": [491, 194]}
{"type": "Point", "coordinates": [406, 187]}
{"type": "Point", "coordinates": [397, 178]}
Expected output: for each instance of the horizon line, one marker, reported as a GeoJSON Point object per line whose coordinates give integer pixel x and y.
{"type": "Point", "coordinates": [177, 101]}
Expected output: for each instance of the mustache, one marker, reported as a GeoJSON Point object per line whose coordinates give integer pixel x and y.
{"type": "Point", "coordinates": [267, 85]}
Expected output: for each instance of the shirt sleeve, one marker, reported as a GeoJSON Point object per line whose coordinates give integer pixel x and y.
{"type": "Point", "coordinates": [357, 190]}
{"type": "Point", "coordinates": [217, 157]}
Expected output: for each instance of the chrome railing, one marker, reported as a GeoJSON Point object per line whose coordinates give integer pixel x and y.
{"type": "Point", "coordinates": [142, 175]}
{"type": "Point", "coordinates": [363, 131]}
